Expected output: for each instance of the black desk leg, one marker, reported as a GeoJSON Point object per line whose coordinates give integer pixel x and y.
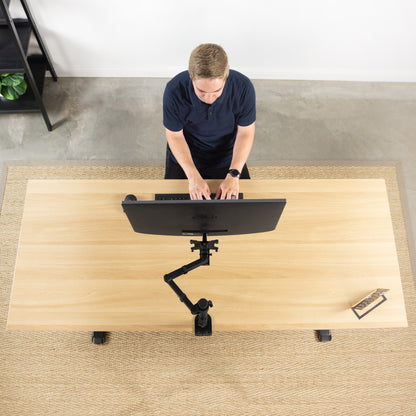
{"type": "Point", "coordinates": [324, 335]}
{"type": "Point", "coordinates": [98, 337]}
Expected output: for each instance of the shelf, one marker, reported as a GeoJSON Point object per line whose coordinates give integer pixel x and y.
{"type": "Point", "coordinates": [10, 61]}
{"type": "Point", "coordinates": [14, 45]}
{"type": "Point", "coordinates": [27, 103]}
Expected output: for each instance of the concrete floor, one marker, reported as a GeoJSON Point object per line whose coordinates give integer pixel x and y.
{"type": "Point", "coordinates": [120, 119]}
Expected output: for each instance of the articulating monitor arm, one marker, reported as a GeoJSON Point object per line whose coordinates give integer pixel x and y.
{"type": "Point", "coordinates": [203, 323]}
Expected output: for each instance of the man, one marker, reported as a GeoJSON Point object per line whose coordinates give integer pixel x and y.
{"type": "Point", "coordinates": [209, 114]}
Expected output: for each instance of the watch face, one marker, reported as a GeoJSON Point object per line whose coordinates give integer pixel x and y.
{"type": "Point", "coordinates": [234, 173]}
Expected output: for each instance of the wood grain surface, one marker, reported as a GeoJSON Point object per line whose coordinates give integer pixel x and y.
{"type": "Point", "coordinates": [80, 266]}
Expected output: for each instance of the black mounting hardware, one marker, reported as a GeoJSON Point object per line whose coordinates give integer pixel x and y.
{"type": "Point", "coordinates": [98, 337]}
{"type": "Point", "coordinates": [324, 335]}
{"type": "Point", "coordinates": [203, 322]}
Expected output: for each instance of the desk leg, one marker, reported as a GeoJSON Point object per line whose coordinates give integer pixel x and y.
{"type": "Point", "coordinates": [98, 337]}
{"type": "Point", "coordinates": [324, 335]}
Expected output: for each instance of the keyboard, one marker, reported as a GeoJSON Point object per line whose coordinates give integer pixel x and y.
{"type": "Point", "coordinates": [182, 197]}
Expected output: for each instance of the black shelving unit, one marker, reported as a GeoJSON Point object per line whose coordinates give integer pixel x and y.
{"type": "Point", "coordinates": [14, 43]}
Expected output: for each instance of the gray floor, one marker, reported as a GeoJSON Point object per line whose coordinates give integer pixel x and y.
{"type": "Point", "coordinates": [120, 119]}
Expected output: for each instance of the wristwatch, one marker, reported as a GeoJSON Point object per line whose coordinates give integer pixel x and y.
{"type": "Point", "coordinates": [234, 173]}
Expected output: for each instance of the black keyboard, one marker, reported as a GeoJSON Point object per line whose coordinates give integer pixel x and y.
{"type": "Point", "coordinates": [182, 197]}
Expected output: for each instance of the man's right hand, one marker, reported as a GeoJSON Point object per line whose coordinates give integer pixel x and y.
{"type": "Point", "coordinates": [198, 188]}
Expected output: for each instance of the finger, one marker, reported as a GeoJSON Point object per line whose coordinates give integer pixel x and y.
{"type": "Point", "coordinates": [196, 196]}
{"type": "Point", "coordinates": [193, 194]}
{"type": "Point", "coordinates": [218, 193]}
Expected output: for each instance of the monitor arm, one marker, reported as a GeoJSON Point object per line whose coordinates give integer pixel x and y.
{"type": "Point", "coordinates": [203, 323]}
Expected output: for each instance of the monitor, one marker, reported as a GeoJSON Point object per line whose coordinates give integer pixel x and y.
{"type": "Point", "coordinates": [199, 217]}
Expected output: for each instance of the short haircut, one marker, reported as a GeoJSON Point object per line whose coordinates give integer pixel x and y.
{"type": "Point", "coordinates": [208, 61]}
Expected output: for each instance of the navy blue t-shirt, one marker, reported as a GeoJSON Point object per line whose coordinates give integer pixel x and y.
{"type": "Point", "coordinates": [209, 129]}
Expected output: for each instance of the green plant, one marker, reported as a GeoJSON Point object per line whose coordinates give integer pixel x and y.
{"type": "Point", "coordinates": [12, 86]}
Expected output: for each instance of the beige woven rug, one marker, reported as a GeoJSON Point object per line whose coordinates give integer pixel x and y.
{"type": "Point", "coordinates": [361, 372]}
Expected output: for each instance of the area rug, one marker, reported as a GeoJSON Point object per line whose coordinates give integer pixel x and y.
{"type": "Point", "coordinates": [370, 372]}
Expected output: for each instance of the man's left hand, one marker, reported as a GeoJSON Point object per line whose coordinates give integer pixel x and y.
{"type": "Point", "coordinates": [228, 188]}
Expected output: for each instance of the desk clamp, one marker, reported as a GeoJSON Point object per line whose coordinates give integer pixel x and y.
{"type": "Point", "coordinates": [203, 322]}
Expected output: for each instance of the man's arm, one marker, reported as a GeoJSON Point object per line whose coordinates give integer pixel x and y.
{"type": "Point", "coordinates": [198, 188]}
{"type": "Point", "coordinates": [242, 148]}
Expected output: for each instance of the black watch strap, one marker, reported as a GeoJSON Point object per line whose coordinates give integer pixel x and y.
{"type": "Point", "coordinates": [234, 173]}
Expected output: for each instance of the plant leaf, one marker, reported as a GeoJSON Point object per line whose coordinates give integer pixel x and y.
{"type": "Point", "coordinates": [20, 88]}
{"type": "Point", "coordinates": [13, 79]}
{"type": "Point", "coordinates": [13, 86]}
{"type": "Point", "coordinates": [9, 93]}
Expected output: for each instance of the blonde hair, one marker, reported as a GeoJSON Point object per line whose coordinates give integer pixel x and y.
{"type": "Point", "coordinates": [208, 61]}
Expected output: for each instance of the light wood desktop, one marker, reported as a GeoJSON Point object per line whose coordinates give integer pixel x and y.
{"type": "Point", "coordinates": [80, 266]}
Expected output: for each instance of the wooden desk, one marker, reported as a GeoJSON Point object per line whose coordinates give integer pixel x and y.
{"type": "Point", "coordinates": [80, 266]}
